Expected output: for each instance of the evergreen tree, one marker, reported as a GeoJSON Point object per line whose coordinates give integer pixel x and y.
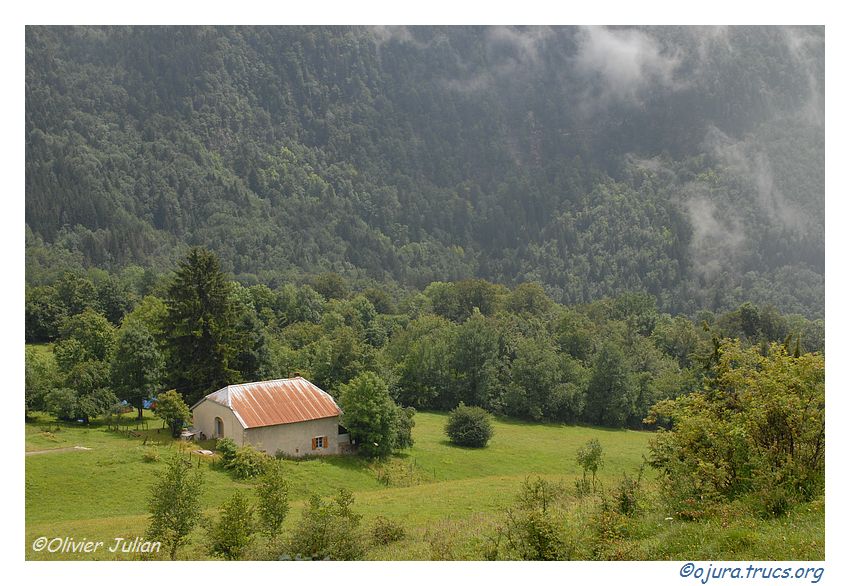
{"type": "Point", "coordinates": [201, 326]}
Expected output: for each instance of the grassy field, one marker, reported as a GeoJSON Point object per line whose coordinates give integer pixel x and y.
{"type": "Point", "coordinates": [448, 498]}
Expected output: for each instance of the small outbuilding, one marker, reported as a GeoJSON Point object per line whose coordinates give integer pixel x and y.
{"type": "Point", "coordinates": [291, 416]}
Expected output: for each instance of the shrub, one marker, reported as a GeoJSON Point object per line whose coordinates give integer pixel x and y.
{"type": "Point", "coordinates": [233, 532]}
{"type": "Point", "coordinates": [226, 447]}
{"type": "Point", "coordinates": [248, 462]}
{"type": "Point", "coordinates": [539, 494]}
{"type": "Point", "coordinates": [442, 543]}
{"type": "Point", "coordinates": [627, 494]}
{"type": "Point", "coordinates": [755, 432]}
{"type": "Point", "coordinates": [151, 454]}
{"type": "Point", "coordinates": [534, 535]}
{"type": "Point", "coordinates": [328, 530]}
{"type": "Point", "coordinates": [532, 529]}
{"type": "Point", "coordinates": [175, 504]}
{"type": "Point", "coordinates": [610, 527]}
{"type": "Point", "coordinates": [469, 426]}
{"type": "Point", "coordinates": [273, 496]}
{"type": "Point", "coordinates": [589, 457]}
{"type": "Point", "coordinates": [385, 531]}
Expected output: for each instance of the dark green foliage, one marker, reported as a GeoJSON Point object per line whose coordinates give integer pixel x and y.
{"type": "Point", "coordinates": [677, 337]}
{"type": "Point", "coordinates": [328, 530]}
{"type": "Point", "coordinates": [83, 356]}
{"type": "Point", "coordinates": [458, 301]}
{"type": "Point", "coordinates": [469, 426]}
{"type": "Point", "coordinates": [339, 358]}
{"type": "Point", "coordinates": [76, 293]}
{"type": "Point", "coordinates": [474, 360]}
{"type": "Point", "coordinates": [530, 299]}
{"type": "Point", "coordinates": [171, 408]}
{"type": "Point", "coordinates": [370, 415]}
{"type": "Point", "coordinates": [424, 355]}
{"type": "Point", "coordinates": [610, 390]}
{"type": "Point", "coordinates": [252, 359]}
{"type": "Point", "coordinates": [201, 326]}
{"type": "Point", "coordinates": [330, 286]}
{"type": "Point", "coordinates": [308, 305]}
{"type": "Point", "coordinates": [44, 313]}
{"type": "Point", "coordinates": [113, 299]}
{"type": "Point", "coordinates": [380, 300]}
{"type": "Point", "coordinates": [535, 376]}
{"type": "Point", "coordinates": [62, 403]}
{"type": "Point", "coordinates": [95, 403]}
{"type": "Point", "coordinates": [335, 152]}
{"type": "Point", "coordinates": [137, 366]}
{"type": "Point", "coordinates": [94, 335]}
{"type": "Point", "coordinates": [231, 534]}
{"type": "Point", "coordinates": [175, 504]}
{"type": "Point", "coordinates": [404, 427]}
{"type": "Point", "coordinates": [575, 334]}
{"type": "Point", "coordinates": [41, 376]}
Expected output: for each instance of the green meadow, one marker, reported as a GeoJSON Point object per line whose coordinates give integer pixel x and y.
{"type": "Point", "coordinates": [449, 499]}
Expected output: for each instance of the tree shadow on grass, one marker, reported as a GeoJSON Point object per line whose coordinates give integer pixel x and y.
{"type": "Point", "coordinates": [449, 444]}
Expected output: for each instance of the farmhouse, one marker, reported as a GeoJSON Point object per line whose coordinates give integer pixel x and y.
{"type": "Point", "coordinates": [291, 416]}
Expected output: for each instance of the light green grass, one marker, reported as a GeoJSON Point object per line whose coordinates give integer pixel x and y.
{"type": "Point", "coordinates": [456, 498]}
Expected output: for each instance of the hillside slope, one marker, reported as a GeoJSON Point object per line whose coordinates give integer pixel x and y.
{"type": "Point", "coordinates": [687, 162]}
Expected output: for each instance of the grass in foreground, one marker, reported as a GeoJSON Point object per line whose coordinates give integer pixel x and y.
{"type": "Point", "coordinates": [449, 499]}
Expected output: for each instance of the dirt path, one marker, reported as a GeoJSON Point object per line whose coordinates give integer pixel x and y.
{"type": "Point", "coordinates": [57, 450]}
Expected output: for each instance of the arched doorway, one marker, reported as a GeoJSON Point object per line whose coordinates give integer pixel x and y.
{"type": "Point", "coordinates": [219, 427]}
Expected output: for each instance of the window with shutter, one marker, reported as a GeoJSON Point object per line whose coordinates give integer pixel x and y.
{"type": "Point", "coordinates": [314, 442]}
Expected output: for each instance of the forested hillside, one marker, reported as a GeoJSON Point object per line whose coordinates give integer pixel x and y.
{"type": "Point", "coordinates": [686, 163]}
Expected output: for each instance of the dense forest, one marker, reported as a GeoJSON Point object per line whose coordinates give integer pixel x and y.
{"type": "Point", "coordinates": [514, 352]}
{"type": "Point", "coordinates": [676, 168]}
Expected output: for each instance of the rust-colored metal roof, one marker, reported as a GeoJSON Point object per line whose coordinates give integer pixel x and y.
{"type": "Point", "coordinates": [274, 402]}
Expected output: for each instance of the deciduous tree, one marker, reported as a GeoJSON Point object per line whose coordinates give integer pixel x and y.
{"type": "Point", "coordinates": [175, 504]}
